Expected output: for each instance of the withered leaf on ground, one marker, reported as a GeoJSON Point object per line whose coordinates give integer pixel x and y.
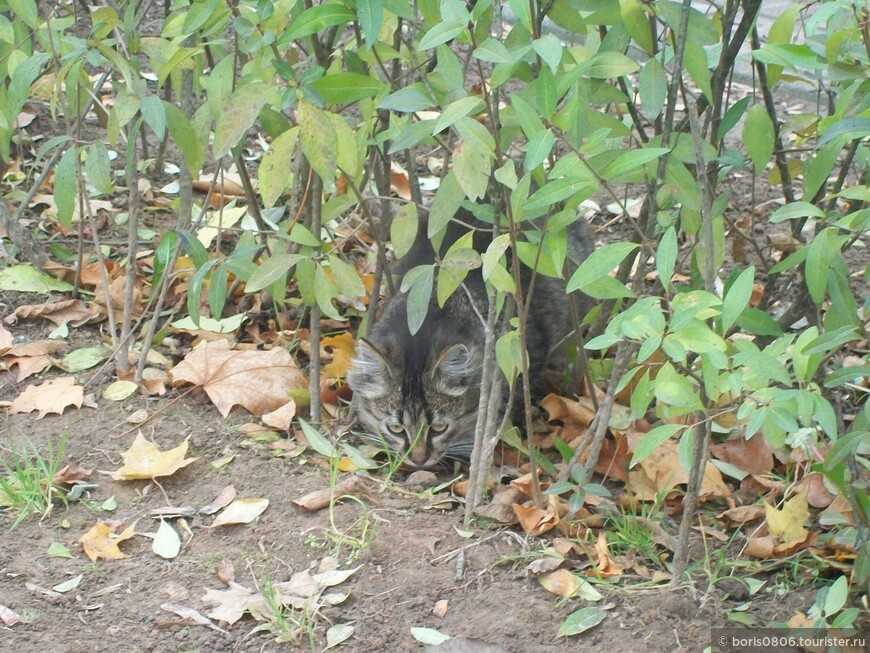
{"type": "Point", "coordinates": [257, 380]}
{"type": "Point", "coordinates": [788, 522]}
{"type": "Point", "coordinates": [191, 615]}
{"type": "Point", "coordinates": [101, 542]}
{"type": "Point", "coordinates": [53, 396]}
{"type": "Point", "coordinates": [282, 417]}
{"type": "Point", "coordinates": [241, 511]}
{"type": "Point", "coordinates": [74, 312]}
{"type": "Point", "coordinates": [144, 460]}
{"type": "Point", "coordinates": [318, 499]}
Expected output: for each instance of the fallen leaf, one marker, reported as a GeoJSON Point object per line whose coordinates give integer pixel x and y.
{"type": "Point", "coordinates": [440, 608]}
{"type": "Point", "coordinates": [28, 366]}
{"type": "Point", "coordinates": [753, 455]}
{"type": "Point", "coordinates": [342, 349]}
{"type": "Point", "coordinates": [166, 541]}
{"type": "Point", "coordinates": [282, 417]}
{"type": "Point", "coordinates": [74, 312]}
{"type": "Point", "coordinates": [53, 396]}
{"type": "Point", "coordinates": [241, 511]}
{"type": "Point", "coordinates": [120, 390]}
{"type": "Point", "coordinates": [351, 485]}
{"type": "Point", "coordinates": [24, 278]}
{"type": "Point", "coordinates": [336, 634]}
{"type": "Point", "coordinates": [535, 521]}
{"type": "Point", "coordinates": [9, 617]}
{"type": "Point", "coordinates": [192, 616]}
{"type": "Point", "coordinates": [257, 380]}
{"type": "Point", "coordinates": [144, 460]}
{"type": "Point", "coordinates": [561, 583]}
{"type": "Point", "coordinates": [101, 542]}
{"type": "Point", "coordinates": [82, 359]}
{"type": "Point", "coordinates": [605, 566]}
{"type": "Point", "coordinates": [222, 500]}
{"type": "Point", "coordinates": [788, 522]}
{"type": "Point", "coordinates": [581, 621]}
{"type": "Point", "coordinates": [68, 585]}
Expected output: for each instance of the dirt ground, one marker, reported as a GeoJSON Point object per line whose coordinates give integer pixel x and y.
{"type": "Point", "coordinates": [413, 558]}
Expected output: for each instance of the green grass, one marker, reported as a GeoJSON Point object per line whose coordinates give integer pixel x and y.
{"type": "Point", "coordinates": [27, 478]}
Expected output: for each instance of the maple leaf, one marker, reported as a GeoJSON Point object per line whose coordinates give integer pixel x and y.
{"type": "Point", "coordinates": [74, 312]}
{"type": "Point", "coordinates": [255, 379]}
{"type": "Point", "coordinates": [50, 397]}
{"type": "Point", "coordinates": [342, 354]}
{"type": "Point", "coordinates": [101, 542]}
{"type": "Point", "coordinates": [144, 460]}
{"type": "Point", "coordinates": [788, 522]}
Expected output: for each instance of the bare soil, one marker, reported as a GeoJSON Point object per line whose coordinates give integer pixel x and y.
{"type": "Point", "coordinates": [413, 558]}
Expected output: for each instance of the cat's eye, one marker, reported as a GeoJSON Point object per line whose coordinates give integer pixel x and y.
{"type": "Point", "coordinates": [438, 427]}
{"type": "Point", "coordinates": [395, 429]}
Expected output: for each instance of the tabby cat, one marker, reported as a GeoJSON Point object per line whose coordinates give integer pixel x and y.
{"type": "Point", "coordinates": [418, 394]}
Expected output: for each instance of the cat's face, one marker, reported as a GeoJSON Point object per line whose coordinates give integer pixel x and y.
{"type": "Point", "coordinates": [423, 408]}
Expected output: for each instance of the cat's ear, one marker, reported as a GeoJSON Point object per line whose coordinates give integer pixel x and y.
{"type": "Point", "coordinates": [454, 367]}
{"type": "Point", "coordinates": [370, 371]}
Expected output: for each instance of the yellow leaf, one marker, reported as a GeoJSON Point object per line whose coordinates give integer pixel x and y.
{"type": "Point", "coordinates": [101, 542]}
{"type": "Point", "coordinates": [788, 522]}
{"type": "Point", "coordinates": [561, 583]}
{"type": "Point", "coordinates": [144, 460]}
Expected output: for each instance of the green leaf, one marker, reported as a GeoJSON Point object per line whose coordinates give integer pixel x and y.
{"type": "Point", "coordinates": [345, 277]}
{"type": "Point", "coordinates": [24, 278]}
{"type": "Point", "coordinates": [371, 15]}
{"type": "Point", "coordinates": [493, 51]}
{"type": "Point", "coordinates": [26, 10]}
{"type": "Point", "coordinates": [636, 22]}
{"type": "Point", "coordinates": [758, 136]}
{"type": "Point", "coordinates": [529, 120]}
{"type": "Point", "coordinates": [789, 55]}
{"type": "Point", "coordinates": [408, 99]}
{"type": "Point", "coordinates": [653, 87]}
{"type": "Point", "coordinates": [581, 620]}
{"type": "Point", "coordinates": [545, 92]}
{"type": "Point", "coordinates": [276, 167]}
{"type": "Point", "coordinates": [737, 298]}
{"type": "Point", "coordinates": [630, 161]}
{"type": "Point", "coordinates": [732, 116]}
{"type": "Point", "coordinates": [317, 441]}
{"type": "Point", "coordinates": [273, 269]}
{"type": "Point", "coordinates": [344, 88]}
{"type": "Point", "coordinates": [238, 116]}
{"type": "Point", "coordinates": [549, 48]}
{"type": "Point", "coordinates": [185, 137]}
{"type": "Point", "coordinates": [599, 264]}
{"type": "Point", "coordinates": [666, 257]}
{"type": "Point", "coordinates": [162, 255]}
{"type": "Point", "coordinates": [217, 292]}
{"type": "Point", "coordinates": [65, 186]}
{"type": "Point", "coordinates": [471, 168]}
{"type": "Point", "coordinates": [837, 595]}
{"type": "Point", "coordinates": [318, 139]}
{"type": "Point", "coordinates": [607, 65]}
{"type": "Point", "coordinates": [82, 359]}
{"type": "Point", "coordinates": [449, 279]}
{"type": "Point", "coordinates": [448, 199]}
{"type": "Point", "coordinates": [523, 12]}
{"type": "Point", "coordinates": [556, 191]}
{"type": "Point", "coordinates": [428, 636]}
{"type": "Point", "coordinates": [820, 254]}
{"type": "Point", "coordinates": [403, 229]}
{"type": "Point", "coordinates": [314, 19]}
{"type": "Point", "coordinates": [441, 33]}
{"type": "Point", "coordinates": [846, 129]}
{"type": "Point", "coordinates": [152, 110]}
{"type": "Point", "coordinates": [652, 440]}
{"type": "Point", "coordinates": [831, 340]}
{"type": "Point", "coordinates": [695, 61]}
{"type": "Point", "coordinates": [194, 289]}
{"type": "Point", "coordinates": [538, 148]}
{"type": "Point", "coordinates": [98, 168]}
{"type": "Point", "coordinates": [419, 295]}
{"type": "Point", "coordinates": [796, 210]}
{"type": "Point", "coordinates": [456, 110]}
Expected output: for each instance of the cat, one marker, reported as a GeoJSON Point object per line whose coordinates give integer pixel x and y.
{"type": "Point", "coordinates": [417, 395]}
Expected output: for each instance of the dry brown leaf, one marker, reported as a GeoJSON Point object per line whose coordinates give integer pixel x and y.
{"type": "Point", "coordinates": [224, 498]}
{"type": "Point", "coordinates": [352, 485]}
{"type": "Point", "coordinates": [818, 495]}
{"type": "Point", "coordinates": [144, 460]}
{"type": "Point", "coordinates": [241, 511]}
{"type": "Point", "coordinates": [70, 474]}
{"type": "Point", "coordinates": [399, 182]}
{"type": "Point", "coordinates": [74, 312]}
{"type": "Point", "coordinates": [192, 616]}
{"type": "Point", "coordinates": [226, 571]}
{"type": "Point", "coordinates": [565, 410]}
{"type": "Point", "coordinates": [101, 542]}
{"type": "Point", "coordinates": [51, 397]}
{"type": "Point", "coordinates": [561, 583]}
{"type": "Point", "coordinates": [535, 521]}
{"type": "Point", "coordinates": [280, 419]}
{"type": "Point", "coordinates": [738, 516]}
{"type": "Point", "coordinates": [28, 365]}
{"type": "Point", "coordinates": [36, 348]}
{"type": "Point", "coordinates": [257, 380]}
{"type": "Point", "coordinates": [753, 455]}
{"type": "Point", "coordinates": [6, 339]}
{"type": "Point", "coordinates": [606, 567]}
